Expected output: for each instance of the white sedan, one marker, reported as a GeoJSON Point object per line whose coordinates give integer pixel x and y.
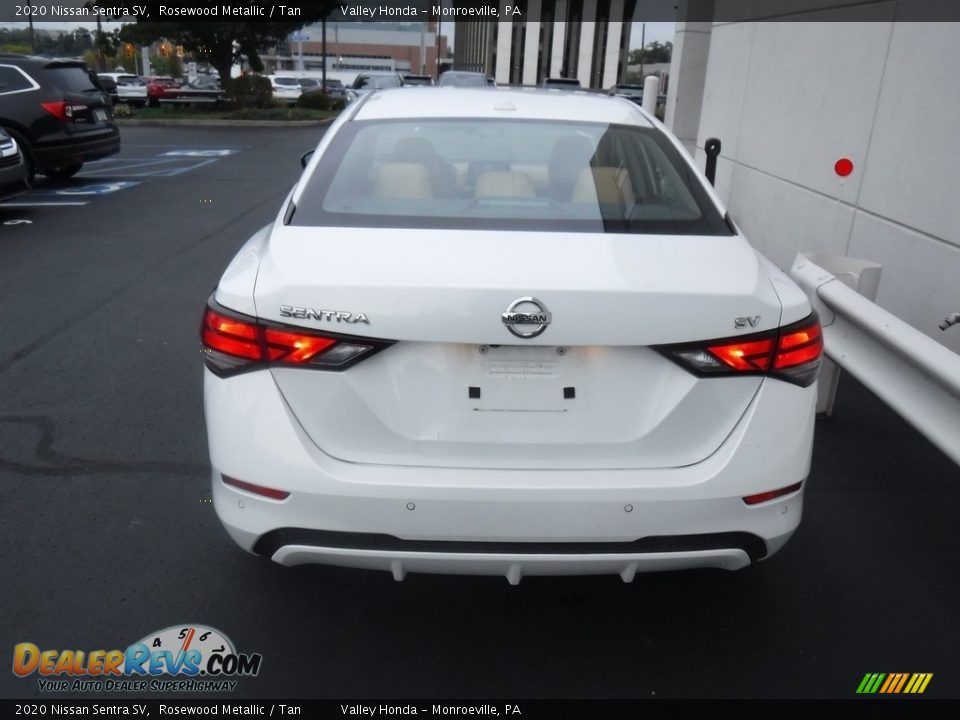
{"type": "Point", "coordinates": [507, 332]}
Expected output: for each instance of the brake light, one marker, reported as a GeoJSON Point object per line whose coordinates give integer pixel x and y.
{"type": "Point", "coordinates": [60, 110]}
{"type": "Point", "coordinates": [233, 343]}
{"type": "Point", "coordinates": [792, 353]}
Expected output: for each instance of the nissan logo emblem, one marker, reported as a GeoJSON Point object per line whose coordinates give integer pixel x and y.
{"type": "Point", "coordinates": [526, 317]}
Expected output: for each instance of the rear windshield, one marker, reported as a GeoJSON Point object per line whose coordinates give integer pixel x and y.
{"type": "Point", "coordinates": [129, 80]}
{"type": "Point", "coordinates": [291, 82]}
{"type": "Point", "coordinates": [70, 78]}
{"type": "Point", "coordinates": [376, 82]}
{"type": "Point", "coordinates": [506, 174]}
{"type": "Point", "coordinates": [463, 80]}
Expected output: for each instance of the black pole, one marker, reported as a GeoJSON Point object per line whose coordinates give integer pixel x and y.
{"type": "Point", "coordinates": [323, 49]}
{"type": "Point", "coordinates": [712, 148]}
{"type": "Point", "coordinates": [33, 38]}
{"type": "Point", "coordinates": [437, 30]}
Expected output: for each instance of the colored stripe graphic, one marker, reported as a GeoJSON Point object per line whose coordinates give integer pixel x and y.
{"type": "Point", "coordinates": [894, 683]}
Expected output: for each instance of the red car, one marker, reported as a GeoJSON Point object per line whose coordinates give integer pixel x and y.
{"type": "Point", "coordinates": [159, 87]}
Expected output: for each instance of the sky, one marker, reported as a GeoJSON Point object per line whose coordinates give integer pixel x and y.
{"type": "Point", "coordinates": [659, 31]}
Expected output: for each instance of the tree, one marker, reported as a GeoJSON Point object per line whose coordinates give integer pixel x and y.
{"type": "Point", "coordinates": [224, 43]}
{"type": "Point", "coordinates": [655, 52]}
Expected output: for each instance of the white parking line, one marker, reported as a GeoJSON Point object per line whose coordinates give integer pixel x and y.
{"type": "Point", "coordinates": [40, 204]}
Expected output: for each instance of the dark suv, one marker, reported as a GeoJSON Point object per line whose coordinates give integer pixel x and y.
{"type": "Point", "coordinates": [56, 112]}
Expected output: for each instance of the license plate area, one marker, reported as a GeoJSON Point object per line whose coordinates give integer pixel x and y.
{"type": "Point", "coordinates": [100, 115]}
{"type": "Point", "coordinates": [528, 378]}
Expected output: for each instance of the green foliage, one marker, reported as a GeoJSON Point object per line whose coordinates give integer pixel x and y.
{"type": "Point", "coordinates": [655, 52]}
{"type": "Point", "coordinates": [224, 43]}
{"type": "Point", "coordinates": [320, 101]}
{"type": "Point", "coordinates": [249, 91]}
{"type": "Point", "coordinates": [170, 65]}
{"type": "Point", "coordinates": [15, 47]}
{"type": "Point", "coordinates": [122, 111]}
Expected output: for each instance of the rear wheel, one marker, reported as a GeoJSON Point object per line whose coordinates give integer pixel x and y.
{"type": "Point", "coordinates": [63, 172]}
{"type": "Point", "coordinates": [26, 153]}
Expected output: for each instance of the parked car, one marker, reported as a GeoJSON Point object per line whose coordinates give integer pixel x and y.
{"type": "Point", "coordinates": [587, 369]}
{"type": "Point", "coordinates": [560, 83]}
{"type": "Point", "coordinates": [161, 87]}
{"type": "Point", "coordinates": [13, 171]}
{"type": "Point", "coordinates": [335, 89]}
{"type": "Point", "coordinates": [286, 88]}
{"type": "Point", "coordinates": [107, 85]}
{"type": "Point", "coordinates": [126, 88]}
{"type": "Point", "coordinates": [205, 82]}
{"type": "Point", "coordinates": [463, 78]}
{"type": "Point", "coordinates": [58, 116]}
{"type": "Point", "coordinates": [367, 82]}
{"type": "Point", "coordinates": [199, 90]}
{"type": "Point", "coordinates": [634, 93]}
{"type": "Point", "coordinates": [415, 80]}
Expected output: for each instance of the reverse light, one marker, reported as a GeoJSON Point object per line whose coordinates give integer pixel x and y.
{"type": "Point", "coordinates": [266, 492]}
{"type": "Point", "coordinates": [792, 353]}
{"type": "Point", "coordinates": [233, 343]}
{"type": "Point", "coordinates": [771, 494]}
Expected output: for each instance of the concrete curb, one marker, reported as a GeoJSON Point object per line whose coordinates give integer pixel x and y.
{"type": "Point", "coordinates": [133, 122]}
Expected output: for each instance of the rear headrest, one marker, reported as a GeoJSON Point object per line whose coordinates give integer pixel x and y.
{"type": "Point", "coordinates": [504, 183]}
{"type": "Point", "coordinates": [606, 186]}
{"type": "Point", "coordinates": [402, 181]}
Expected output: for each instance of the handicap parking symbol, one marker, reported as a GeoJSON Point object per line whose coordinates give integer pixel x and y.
{"type": "Point", "coordinates": [198, 153]}
{"type": "Point", "coordinates": [96, 188]}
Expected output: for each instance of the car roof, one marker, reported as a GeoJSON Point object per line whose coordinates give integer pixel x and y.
{"type": "Point", "coordinates": [38, 61]}
{"type": "Point", "coordinates": [499, 102]}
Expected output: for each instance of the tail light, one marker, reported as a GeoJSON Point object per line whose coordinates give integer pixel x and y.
{"type": "Point", "coordinates": [234, 343]}
{"type": "Point", "coordinates": [791, 353]}
{"type": "Point", "coordinates": [62, 110]}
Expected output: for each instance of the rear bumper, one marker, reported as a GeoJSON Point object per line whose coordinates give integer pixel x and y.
{"type": "Point", "coordinates": [77, 149]}
{"type": "Point", "coordinates": [504, 522]}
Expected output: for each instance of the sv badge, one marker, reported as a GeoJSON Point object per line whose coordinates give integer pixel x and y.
{"type": "Point", "coordinates": [749, 321]}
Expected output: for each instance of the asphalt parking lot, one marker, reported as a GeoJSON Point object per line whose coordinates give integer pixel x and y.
{"type": "Point", "coordinates": [107, 533]}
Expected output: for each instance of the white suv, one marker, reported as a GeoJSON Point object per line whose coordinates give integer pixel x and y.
{"type": "Point", "coordinates": [130, 88]}
{"type": "Point", "coordinates": [285, 88]}
{"type": "Point", "coordinates": [507, 332]}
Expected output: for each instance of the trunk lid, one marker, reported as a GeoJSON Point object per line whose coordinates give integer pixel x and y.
{"type": "Point", "coordinates": [459, 390]}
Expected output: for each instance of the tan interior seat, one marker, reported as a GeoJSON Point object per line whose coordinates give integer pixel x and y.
{"type": "Point", "coordinates": [605, 186]}
{"type": "Point", "coordinates": [402, 181]}
{"type": "Point", "coordinates": [504, 183]}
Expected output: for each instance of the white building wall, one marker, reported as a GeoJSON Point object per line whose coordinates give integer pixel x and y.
{"type": "Point", "coordinates": [788, 99]}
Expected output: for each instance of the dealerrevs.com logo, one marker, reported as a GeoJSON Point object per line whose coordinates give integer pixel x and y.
{"type": "Point", "coordinates": [196, 657]}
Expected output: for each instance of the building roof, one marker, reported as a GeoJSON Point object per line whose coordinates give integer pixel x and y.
{"type": "Point", "coordinates": [520, 103]}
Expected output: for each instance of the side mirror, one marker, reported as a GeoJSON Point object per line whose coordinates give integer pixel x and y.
{"type": "Point", "coordinates": [305, 158]}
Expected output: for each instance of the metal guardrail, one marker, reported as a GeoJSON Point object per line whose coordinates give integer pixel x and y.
{"type": "Point", "coordinates": [916, 376]}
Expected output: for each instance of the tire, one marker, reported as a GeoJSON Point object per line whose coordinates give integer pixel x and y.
{"type": "Point", "coordinates": [26, 153]}
{"type": "Point", "coordinates": [64, 172]}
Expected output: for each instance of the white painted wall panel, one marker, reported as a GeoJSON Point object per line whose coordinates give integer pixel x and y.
{"type": "Point", "coordinates": [912, 173]}
{"type": "Point", "coordinates": [921, 275]}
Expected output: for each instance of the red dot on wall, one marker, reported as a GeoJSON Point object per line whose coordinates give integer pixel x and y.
{"type": "Point", "coordinates": [843, 167]}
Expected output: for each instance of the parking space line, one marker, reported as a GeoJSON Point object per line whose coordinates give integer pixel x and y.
{"type": "Point", "coordinates": [40, 204]}
{"type": "Point", "coordinates": [137, 162]}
